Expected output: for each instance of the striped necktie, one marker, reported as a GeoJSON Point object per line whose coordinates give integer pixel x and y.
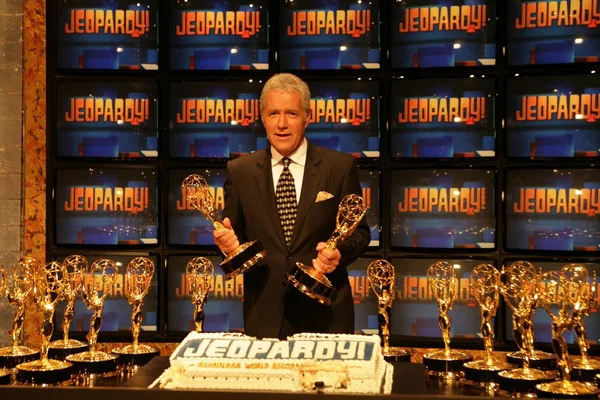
{"type": "Point", "coordinates": [286, 200]}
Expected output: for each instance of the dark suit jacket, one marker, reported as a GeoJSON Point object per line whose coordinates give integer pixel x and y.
{"type": "Point", "coordinates": [251, 206]}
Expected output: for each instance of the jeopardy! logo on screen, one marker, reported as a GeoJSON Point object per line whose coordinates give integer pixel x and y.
{"type": "Point", "coordinates": [443, 33]}
{"type": "Point", "coordinates": [553, 32]}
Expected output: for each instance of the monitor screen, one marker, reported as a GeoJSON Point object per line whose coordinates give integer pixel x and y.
{"type": "Point", "coordinates": [223, 309]}
{"type": "Point", "coordinates": [553, 209]}
{"type": "Point", "coordinates": [116, 315]}
{"type": "Point", "coordinates": [187, 225]}
{"type": "Point", "coordinates": [445, 208]}
{"type": "Point", "coordinates": [329, 35]}
{"type": "Point", "coordinates": [443, 118]}
{"type": "Point", "coordinates": [556, 116]}
{"type": "Point", "coordinates": [345, 116]}
{"type": "Point", "coordinates": [107, 34]}
{"type": "Point", "coordinates": [107, 119]}
{"type": "Point", "coordinates": [366, 320]}
{"type": "Point", "coordinates": [219, 35]}
{"type": "Point", "coordinates": [106, 206]}
{"type": "Point", "coordinates": [215, 119]}
{"type": "Point", "coordinates": [370, 183]}
{"type": "Point", "coordinates": [553, 32]}
{"type": "Point", "coordinates": [443, 33]}
{"type": "Point", "coordinates": [415, 310]}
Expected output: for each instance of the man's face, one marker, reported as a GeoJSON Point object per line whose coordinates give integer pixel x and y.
{"type": "Point", "coordinates": [285, 120]}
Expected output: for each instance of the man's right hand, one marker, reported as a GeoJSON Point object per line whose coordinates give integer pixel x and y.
{"type": "Point", "coordinates": [225, 238]}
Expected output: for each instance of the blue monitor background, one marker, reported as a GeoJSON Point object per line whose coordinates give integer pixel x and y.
{"type": "Point", "coordinates": [223, 310]}
{"type": "Point", "coordinates": [116, 315]}
{"type": "Point", "coordinates": [541, 320]}
{"type": "Point", "coordinates": [215, 119]}
{"type": "Point", "coordinates": [188, 226]}
{"type": "Point", "coordinates": [554, 116]}
{"type": "Point", "coordinates": [446, 208]}
{"type": "Point", "coordinates": [219, 35]}
{"type": "Point", "coordinates": [106, 206]}
{"type": "Point", "coordinates": [370, 182]}
{"type": "Point", "coordinates": [366, 321]}
{"type": "Point", "coordinates": [345, 116]}
{"type": "Point", "coordinates": [107, 34]}
{"type": "Point", "coordinates": [329, 35]}
{"type": "Point", "coordinates": [443, 118]}
{"type": "Point", "coordinates": [415, 311]}
{"type": "Point", "coordinates": [553, 209]}
{"type": "Point", "coordinates": [553, 32]}
{"type": "Point", "coordinates": [107, 119]}
{"type": "Point", "coordinates": [443, 33]}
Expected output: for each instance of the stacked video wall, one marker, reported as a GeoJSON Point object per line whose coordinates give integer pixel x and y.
{"type": "Point", "coordinates": [475, 123]}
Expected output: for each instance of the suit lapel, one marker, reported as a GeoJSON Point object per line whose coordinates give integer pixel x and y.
{"type": "Point", "coordinates": [264, 182]}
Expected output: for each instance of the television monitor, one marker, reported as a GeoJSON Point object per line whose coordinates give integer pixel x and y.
{"type": "Point", "coordinates": [345, 116]}
{"type": "Point", "coordinates": [215, 119]}
{"type": "Point", "coordinates": [370, 183]}
{"type": "Point", "coordinates": [443, 209]}
{"type": "Point", "coordinates": [106, 206]}
{"type": "Point", "coordinates": [107, 34]}
{"type": "Point", "coordinates": [443, 33]}
{"type": "Point", "coordinates": [187, 225]}
{"type": "Point", "coordinates": [329, 35]}
{"type": "Point", "coordinates": [116, 315]}
{"type": "Point", "coordinates": [223, 311]}
{"type": "Point", "coordinates": [541, 320]}
{"type": "Point", "coordinates": [549, 117]}
{"type": "Point", "coordinates": [219, 35]}
{"type": "Point", "coordinates": [553, 32]}
{"type": "Point", "coordinates": [443, 118]}
{"type": "Point", "coordinates": [414, 312]}
{"type": "Point", "coordinates": [366, 320]}
{"type": "Point", "coordinates": [107, 118]}
{"type": "Point", "coordinates": [551, 210]}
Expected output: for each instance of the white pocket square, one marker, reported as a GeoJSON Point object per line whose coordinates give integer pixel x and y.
{"type": "Point", "coordinates": [322, 195]}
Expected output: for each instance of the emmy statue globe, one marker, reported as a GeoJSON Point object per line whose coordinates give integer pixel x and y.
{"type": "Point", "coordinates": [382, 279]}
{"type": "Point", "coordinates": [49, 284]}
{"type": "Point", "coordinates": [199, 272]}
{"type": "Point", "coordinates": [484, 284]}
{"type": "Point", "coordinates": [196, 191]}
{"type": "Point", "coordinates": [93, 364]}
{"type": "Point", "coordinates": [521, 292]}
{"type": "Point", "coordinates": [5, 374]}
{"type": "Point", "coordinates": [306, 278]}
{"type": "Point", "coordinates": [565, 291]}
{"type": "Point", "coordinates": [22, 285]}
{"type": "Point", "coordinates": [76, 267]}
{"type": "Point", "coordinates": [138, 278]}
{"type": "Point", "coordinates": [446, 364]}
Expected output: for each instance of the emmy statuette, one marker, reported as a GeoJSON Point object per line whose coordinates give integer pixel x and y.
{"type": "Point", "coordinates": [382, 279]}
{"type": "Point", "coordinates": [23, 272]}
{"type": "Point", "coordinates": [484, 285]}
{"type": "Point", "coordinates": [5, 374]}
{"type": "Point", "coordinates": [306, 278]}
{"type": "Point", "coordinates": [197, 193]}
{"type": "Point", "coordinates": [565, 291]}
{"type": "Point", "coordinates": [446, 364]}
{"type": "Point", "coordinates": [93, 364]}
{"type": "Point", "coordinates": [138, 278]}
{"type": "Point", "coordinates": [76, 267]}
{"type": "Point", "coordinates": [49, 284]}
{"type": "Point", "coordinates": [198, 274]}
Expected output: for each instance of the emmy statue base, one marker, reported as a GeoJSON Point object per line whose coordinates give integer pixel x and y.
{"type": "Point", "coordinates": [394, 354]}
{"type": "Point", "coordinates": [44, 372]}
{"type": "Point", "coordinates": [242, 258]}
{"type": "Point", "coordinates": [538, 360]}
{"type": "Point", "coordinates": [133, 356]}
{"type": "Point", "coordinates": [446, 364]}
{"type": "Point", "coordinates": [10, 357]}
{"type": "Point", "coordinates": [484, 373]}
{"type": "Point", "coordinates": [524, 380]}
{"type": "Point", "coordinates": [585, 370]}
{"type": "Point", "coordinates": [312, 283]}
{"type": "Point", "coordinates": [60, 350]}
{"type": "Point", "coordinates": [568, 390]}
{"type": "Point", "coordinates": [5, 376]}
{"type": "Point", "coordinates": [90, 365]}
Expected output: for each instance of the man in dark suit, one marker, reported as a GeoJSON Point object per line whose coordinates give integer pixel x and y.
{"type": "Point", "coordinates": [321, 178]}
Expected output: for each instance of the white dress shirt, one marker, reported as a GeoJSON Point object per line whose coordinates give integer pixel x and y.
{"type": "Point", "coordinates": [296, 166]}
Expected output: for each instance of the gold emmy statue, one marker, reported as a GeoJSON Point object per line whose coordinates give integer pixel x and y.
{"type": "Point", "coordinates": [138, 278]}
{"type": "Point", "coordinates": [382, 279]}
{"type": "Point", "coordinates": [5, 374]}
{"type": "Point", "coordinates": [76, 267]}
{"type": "Point", "coordinates": [447, 363]}
{"type": "Point", "coordinates": [565, 291]}
{"type": "Point", "coordinates": [49, 283]}
{"type": "Point", "coordinates": [306, 278]}
{"type": "Point", "coordinates": [521, 292]}
{"type": "Point", "coordinates": [23, 272]}
{"type": "Point", "coordinates": [93, 363]}
{"type": "Point", "coordinates": [198, 274]}
{"type": "Point", "coordinates": [197, 193]}
{"type": "Point", "coordinates": [484, 284]}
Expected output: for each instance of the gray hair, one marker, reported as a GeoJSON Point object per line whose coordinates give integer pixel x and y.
{"type": "Point", "coordinates": [286, 82]}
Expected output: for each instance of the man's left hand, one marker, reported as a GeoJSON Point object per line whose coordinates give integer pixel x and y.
{"type": "Point", "coordinates": [327, 260]}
